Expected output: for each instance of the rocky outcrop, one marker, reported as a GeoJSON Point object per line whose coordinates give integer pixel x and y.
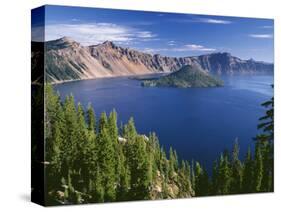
{"type": "Point", "coordinates": [67, 60]}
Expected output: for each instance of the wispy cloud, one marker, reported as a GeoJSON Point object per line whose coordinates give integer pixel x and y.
{"type": "Point", "coordinates": [194, 47]}
{"type": "Point", "coordinates": [261, 36]}
{"type": "Point", "coordinates": [153, 50]}
{"type": "Point", "coordinates": [171, 43]}
{"type": "Point", "coordinates": [202, 20]}
{"type": "Point", "coordinates": [267, 27]}
{"type": "Point", "coordinates": [145, 34]}
{"type": "Point", "coordinates": [75, 19]}
{"type": "Point", "coordinates": [214, 21]}
{"type": "Point", "coordinates": [184, 48]}
{"type": "Point", "coordinates": [94, 33]}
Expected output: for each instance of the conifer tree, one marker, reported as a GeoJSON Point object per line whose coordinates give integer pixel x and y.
{"type": "Point", "coordinates": [71, 138]}
{"type": "Point", "coordinates": [124, 181]}
{"type": "Point", "coordinates": [198, 176]}
{"type": "Point", "coordinates": [192, 175]}
{"type": "Point", "coordinates": [165, 164]}
{"type": "Point", "coordinates": [264, 141]}
{"type": "Point", "coordinates": [224, 175]}
{"type": "Point", "coordinates": [176, 162]}
{"type": "Point", "coordinates": [184, 179]}
{"type": "Point", "coordinates": [113, 134]}
{"type": "Point", "coordinates": [201, 181]}
{"type": "Point", "coordinates": [237, 170]}
{"type": "Point", "coordinates": [172, 163]}
{"type": "Point", "coordinates": [103, 122]}
{"type": "Point", "coordinates": [258, 171]}
{"type": "Point", "coordinates": [98, 191]}
{"type": "Point", "coordinates": [247, 183]}
{"type": "Point", "coordinates": [105, 153]}
{"type": "Point", "coordinates": [130, 131]}
{"type": "Point", "coordinates": [139, 169]}
{"type": "Point", "coordinates": [267, 122]}
{"type": "Point", "coordinates": [91, 119]}
{"type": "Point", "coordinates": [215, 179]}
{"type": "Point", "coordinates": [54, 124]}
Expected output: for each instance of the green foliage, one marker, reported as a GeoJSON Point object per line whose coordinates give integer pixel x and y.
{"type": "Point", "coordinates": [106, 163]}
{"type": "Point", "coordinates": [224, 174]}
{"type": "Point", "coordinates": [139, 166]}
{"type": "Point", "coordinates": [267, 122]}
{"type": "Point", "coordinates": [248, 174]}
{"type": "Point", "coordinates": [201, 181]}
{"type": "Point", "coordinates": [91, 119]}
{"type": "Point", "coordinates": [236, 171]}
{"type": "Point", "coordinates": [258, 171]}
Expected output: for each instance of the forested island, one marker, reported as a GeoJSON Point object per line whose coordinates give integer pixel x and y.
{"type": "Point", "coordinates": [90, 159]}
{"type": "Point", "coordinates": [186, 77]}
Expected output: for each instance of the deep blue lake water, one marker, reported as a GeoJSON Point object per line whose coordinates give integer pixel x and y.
{"type": "Point", "coordinates": [199, 123]}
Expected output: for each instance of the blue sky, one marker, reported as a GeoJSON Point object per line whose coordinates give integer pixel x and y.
{"type": "Point", "coordinates": [169, 34]}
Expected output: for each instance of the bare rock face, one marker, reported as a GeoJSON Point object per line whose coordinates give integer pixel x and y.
{"type": "Point", "coordinates": [67, 60]}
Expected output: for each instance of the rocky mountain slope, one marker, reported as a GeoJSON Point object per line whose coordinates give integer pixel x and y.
{"type": "Point", "coordinates": [67, 60]}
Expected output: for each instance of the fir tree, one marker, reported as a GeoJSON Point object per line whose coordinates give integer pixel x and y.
{"type": "Point", "coordinates": [258, 170]}
{"type": "Point", "coordinates": [215, 179]}
{"type": "Point", "coordinates": [224, 174]}
{"type": "Point", "coordinates": [124, 181]}
{"type": "Point", "coordinates": [106, 164]}
{"type": "Point", "coordinates": [172, 163]}
{"type": "Point", "coordinates": [139, 169]}
{"type": "Point", "coordinates": [247, 182]}
{"type": "Point", "coordinates": [91, 119]}
{"type": "Point", "coordinates": [113, 134]}
{"type": "Point", "coordinates": [103, 122]}
{"type": "Point", "coordinates": [237, 170]}
{"type": "Point", "coordinates": [201, 181]}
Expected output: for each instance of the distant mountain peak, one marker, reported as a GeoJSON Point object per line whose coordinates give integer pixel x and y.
{"type": "Point", "coordinates": [61, 43]}
{"type": "Point", "coordinates": [226, 54]}
{"type": "Point", "coordinates": [66, 39]}
{"type": "Point", "coordinates": [108, 43]}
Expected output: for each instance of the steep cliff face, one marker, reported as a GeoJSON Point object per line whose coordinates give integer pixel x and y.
{"type": "Point", "coordinates": [67, 60]}
{"type": "Point", "coordinates": [225, 63]}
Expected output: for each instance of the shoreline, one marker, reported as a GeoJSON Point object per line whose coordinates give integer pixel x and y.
{"type": "Point", "coordinates": [131, 76]}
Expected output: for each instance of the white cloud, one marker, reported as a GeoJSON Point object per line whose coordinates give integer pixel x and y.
{"type": "Point", "coordinates": [267, 27]}
{"type": "Point", "coordinates": [146, 34]}
{"type": "Point", "coordinates": [152, 50]}
{"type": "Point", "coordinates": [202, 20]}
{"type": "Point", "coordinates": [185, 48]}
{"type": "Point", "coordinates": [74, 19]}
{"type": "Point", "coordinates": [213, 21]}
{"type": "Point", "coordinates": [194, 47]}
{"type": "Point", "coordinates": [171, 43]}
{"type": "Point", "coordinates": [261, 36]}
{"type": "Point", "coordinates": [94, 33]}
